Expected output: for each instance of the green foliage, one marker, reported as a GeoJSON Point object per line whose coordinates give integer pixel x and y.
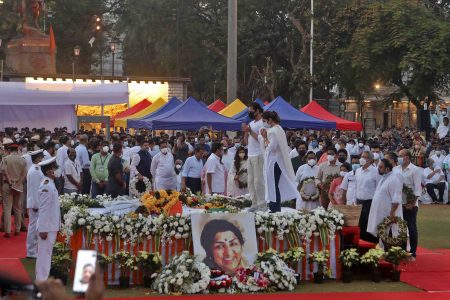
{"type": "Point", "coordinates": [61, 258]}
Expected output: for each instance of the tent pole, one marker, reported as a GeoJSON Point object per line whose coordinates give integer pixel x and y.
{"type": "Point", "coordinates": [311, 52]}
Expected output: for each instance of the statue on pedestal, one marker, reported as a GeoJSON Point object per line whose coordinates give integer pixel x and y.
{"type": "Point", "coordinates": [29, 11]}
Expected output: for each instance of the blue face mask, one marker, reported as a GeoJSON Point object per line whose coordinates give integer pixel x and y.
{"type": "Point", "coordinates": [355, 166]}
{"type": "Point", "coordinates": [314, 144]}
{"type": "Point", "coordinates": [400, 160]}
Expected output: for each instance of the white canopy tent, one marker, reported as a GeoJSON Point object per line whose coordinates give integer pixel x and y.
{"type": "Point", "coordinates": [52, 104]}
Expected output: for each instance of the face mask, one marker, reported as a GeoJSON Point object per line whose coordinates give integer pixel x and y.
{"type": "Point", "coordinates": [266, 125]}
{"type": "Point", "coordinates": [105, 149]}
{"type": "Point", "coordinates": [56, 146]}
{"type": "Point", "coordinates": [301, 152]}
{"type": "Point", "coordinates": [342, 173]}
{"type": "Point", "coordinates": [206, 138]}
{"type": "Point", "coordinates": [361, 145]}
{"type": "Point", "coordinates": [241, 155]}
{"type": "Point", "coordinates": [400, 161]}
{"type": "Point", "coordinates": [376, 156]}
{"type": "Point", "coordinates": [314, 144]}
{"type": "Point", "coordinates": [164, 151]}
{"type": "Point", "coordinates": [237, 145]}
{"type": "Point", "coordinates": [178, 167]}
{"type": "Point", "coordinates": [330, 157]}
{"type": "Point", "coordinates": [337, 146]}
{"type": "Point", "coordinates": [341, 160]}
{"type": "Point", "coordinates": [438, 153]}
{"type": "Point", "coordinates": [355, 167]}
{"type": "Point", "coordinates": [251, 115]}
{"type": "Point", "coordinates": [312, 162]}
{"type": "Point", "coordinates": [72, 143]}
{"type": "Point", "coordinates": [125, 144]}
{"type": "Point", "coordinates": [320, 147]}
{"type": "Point", "coordinates": [362, 161]}
{"type": "Point", "coordinates": [417, 147]}
{"type": "Point", "coordinates": [16, 136]}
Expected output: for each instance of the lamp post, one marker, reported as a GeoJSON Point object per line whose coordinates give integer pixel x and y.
{"type": "Point", "coordinates": [113, 53]}
{"type": "Point", "coordinates": [76, 53]}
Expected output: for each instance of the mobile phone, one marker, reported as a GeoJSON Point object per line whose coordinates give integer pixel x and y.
{"type": "Point", "coordinates": [84, 269]}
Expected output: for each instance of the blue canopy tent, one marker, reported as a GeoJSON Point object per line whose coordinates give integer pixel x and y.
{"type": "Point", "coordinates": [191, 115]}
{"type": "Point", "coordinates": [294, 119]}
{"type": "Point", "coordinates": [243, 115]}
{"type": "Point", "coordinates": [203, 103]}
{"type": "Point", "coordinates": [142, 122]}
{"type": "Point", "coordinates": [259, 101]}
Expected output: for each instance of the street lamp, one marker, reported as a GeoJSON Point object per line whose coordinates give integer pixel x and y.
{"type": "Point", "coordinates": [113, 52]}
{"type": "Point", "coordinates": [76, 53]}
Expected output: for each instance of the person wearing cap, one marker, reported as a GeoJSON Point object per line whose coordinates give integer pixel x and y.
{"type": "Point", "coordinates": [14, 170]}
{"type": "Point", "coordinates": [34, 179]}
{"type": "Point", "coordinates": [49, 219]}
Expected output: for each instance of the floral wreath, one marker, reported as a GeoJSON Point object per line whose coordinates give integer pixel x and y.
{"type": "Point", "coordinates": [383, 232]}
{"type": "Point", "coordinates": [139, 187]}
{"type": "Point", "coordinates": [306, 197]}
{"type": "Point", "coordinates": [408, 195]}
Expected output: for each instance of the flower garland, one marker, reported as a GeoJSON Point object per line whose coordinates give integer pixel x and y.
{"type": "Point", "coordinates": [251, 279]}
{"type": "Point", "coordinates": [384, 229]}
{"type": "Point", "coordinates": [408, 196]}
{"type": "Point", "coordinates": [138, 188]}
{"type": "Point", "coordinates": [306, 196]}
{"type": "Point", "coordinates": [160, 201]}
{"type": "Point", "coordinates": [178, 227]}
{"type": "Point", "coordinates": [220, 281]}
{"type": "Point", "coordinates": [281, 277]}
{"type": "Point", "coordinates": [183, 274]}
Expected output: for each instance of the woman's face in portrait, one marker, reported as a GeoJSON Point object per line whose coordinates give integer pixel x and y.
{"type": "Point", "coordinates": [227, 251]}
{"type": "Point", "coordinates": [87, 273]}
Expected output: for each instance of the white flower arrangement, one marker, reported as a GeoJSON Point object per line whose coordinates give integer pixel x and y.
{"type": "Point", "coordinates": [281, 277]}
{"type": "Point", "coordinates": [177, 227]}
{"type": "Point", "coordinates": [133, 189]}
{"type": "Point", "coordinates": [183, 274]}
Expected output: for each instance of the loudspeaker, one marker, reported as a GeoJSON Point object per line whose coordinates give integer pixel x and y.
{"type": "Point", "coordinates": [423, 120]}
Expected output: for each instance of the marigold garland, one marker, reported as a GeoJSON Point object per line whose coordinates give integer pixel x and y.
{"type": "Point", "coordinates": [161, 201]}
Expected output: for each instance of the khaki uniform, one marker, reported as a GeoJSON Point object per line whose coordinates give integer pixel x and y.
{"type": "Point", "coordinates": [14, 166]}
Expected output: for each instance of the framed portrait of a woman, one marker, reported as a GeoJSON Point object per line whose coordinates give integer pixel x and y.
{"type": "Point", "coordinates": [225, 241]}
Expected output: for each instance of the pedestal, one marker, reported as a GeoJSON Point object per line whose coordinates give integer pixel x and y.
{"type": "Point", "coordinates": [30, 53]}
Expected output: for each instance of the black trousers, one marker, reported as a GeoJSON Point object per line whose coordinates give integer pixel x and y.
{"type": "Point", "coordinates": [363, 220]}
{"type": "Point", "coordinates": [410, 216]}
{"type": "Point", "coordinates": [441, 188]}
{"type": "Point", "coordinates": [59, 184]}
{"type": "Point", "coordinates": [86, 188]}
{"type": "Point", "coordinates": [276, 206]}
{"type": "Point", "coordinates": [194, 184]}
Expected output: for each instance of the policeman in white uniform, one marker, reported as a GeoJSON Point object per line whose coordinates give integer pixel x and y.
{"type": "Point", "coordinates": [49, 219]}
{"type": "Point", "coordinates": [34, 179]}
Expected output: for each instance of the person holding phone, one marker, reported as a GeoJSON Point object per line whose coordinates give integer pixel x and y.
{"type": "Point", "coordinates": [49, 219]}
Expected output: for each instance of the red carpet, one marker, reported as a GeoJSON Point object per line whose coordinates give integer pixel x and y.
{"type": "Point", "coordinates": [324, 296]}
{"type": "Point", "coordinates": [430, 272]}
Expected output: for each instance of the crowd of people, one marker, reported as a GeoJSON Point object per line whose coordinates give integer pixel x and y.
{"type": "Point", "coordinates": [303, 169]}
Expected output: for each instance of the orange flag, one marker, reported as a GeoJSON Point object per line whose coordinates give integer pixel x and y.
{"type": "Point", "coordinates": [52, 41]}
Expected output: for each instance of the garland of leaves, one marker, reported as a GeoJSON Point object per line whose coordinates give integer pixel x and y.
{"type": "Point", "coordinates": [408, 196]}
{"type": "Point", "coordinates": [384, 229]}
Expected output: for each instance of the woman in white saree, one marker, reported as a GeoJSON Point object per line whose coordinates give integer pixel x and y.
{"type": "Point", "coordinates": [279, 174]}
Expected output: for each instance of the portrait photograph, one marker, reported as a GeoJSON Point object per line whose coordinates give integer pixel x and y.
{"type": "Point", "coordinates": [225, 242]}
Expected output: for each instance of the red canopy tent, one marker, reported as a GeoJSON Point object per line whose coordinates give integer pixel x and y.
{"type": "Point", "coordinates": [217, 106]}
{"type": "Point", "coordinates": [314, 109]}
{"type": "Point", "coordinates": [132, 110]}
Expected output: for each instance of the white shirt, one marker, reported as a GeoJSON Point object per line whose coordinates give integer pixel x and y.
{"type": "Point", "coordinates": [61, 158]}
{"type": "Point", "coordinates": [366, 182]}
{"type": "Point", "coordinates": [228, 159]}
{"type": "Point", "coordinates": [47, 155]}
{"type": "Point", "coordinates": [28, 160]}
{"type": "Point", "coordinates": [447, 161]}
{"type": "Point", "coordinates": [388, 192]}
{"type": "Point", "coordinates": [305, 171]}
{"type": "Point", "coordinates": [412, 178]}
{"type": "Point", "coordinates": [34, 179]}
{"type": "Point", "coordinates": [192, 167]}
{"type": "Point", "coordinates": [293, 153]}
{"type": "Point", "coordinates": [83, 156]}
{"type": "Point", "coordinates": [71, 168]}
{"type": "Point", "coordinates": [438, 161]}
{"type": "Point", "coordinates": [435, 178]}
{"type": "Point", "coordinates": [254, 146]}
{"type": "Point", "coordinates": [217, 171]}
{"type": "Point", "coordinates": [349, 184]}
{"type": "Point", "coordinates": [358, 150]}
{"type": "Point", "coordinates": [163, 172]}
{"type": "Point", "coordinates": [442, 131]}
{"type": "Point", "coordinates": [49, 208]}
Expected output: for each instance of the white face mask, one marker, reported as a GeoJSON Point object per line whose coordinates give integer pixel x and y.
{"type": "Point", "coordinates": [164, 151]}
{"type": "Point", "coordinates": [320, 147]}
{"type": "Point", "coordinates": [72, 142]}
{"type": "Point", "coordinates": [241, 155]}
{"type": "Point", "coordinates": [337, 146]}
{"type": "Point", "coordinates": [376, 156]}
{"type": "Point", "coordinates": [312, 162]}
{"type": "Point", "coordinates": [362, 161]}
{"type": "Point", "coordinates": [125, 144]}
{"type": "Point", "coordinates": [266, 125]}
{"type": "Point", "coordinates": [178, 167]}
{"type": "Point", "coordinates": [105, 149]}
{"type": "Point", "coordinates": [438, 153]}
{"type": "Point", "coordinates": [361, 145]}
{"type": "Point", "coordinates": [237, 145]}
{"type": "Point", "coordinates": [330, 157]}
{"type": "Point", "coordinates": [342, 173]}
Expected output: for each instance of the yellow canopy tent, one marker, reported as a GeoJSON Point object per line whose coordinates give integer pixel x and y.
{"type": "Point", "coordinates": [233, 108]}
{"type": "Point", "coordinates": [122, 122]}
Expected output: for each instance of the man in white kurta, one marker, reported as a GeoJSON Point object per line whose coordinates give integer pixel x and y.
{"type": "Point", "coordinates": [34, 179]}
{"type": "Point", "coordinates": [387, 199]}
{"type": "Point", "coordinates": [215, 171]}
{"type": "Point", "coordinates": [163, 170]}
{"type": "Point", "coordinates": [49, 220]}
{"type": "Point", "coordinates": [310, 169]}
